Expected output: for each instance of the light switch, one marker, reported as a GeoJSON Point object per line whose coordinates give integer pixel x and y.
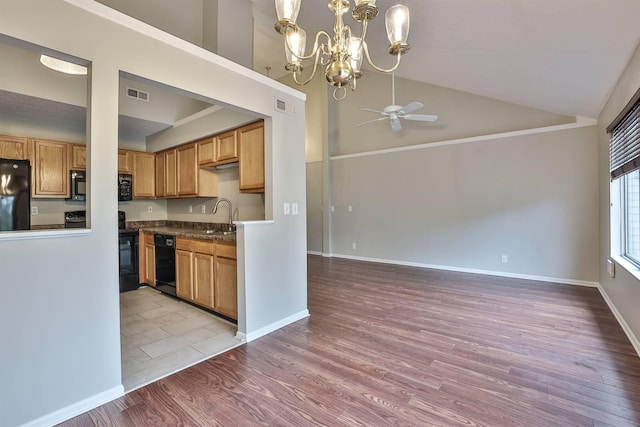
{"type": "Point", "coordinates": [34, 210]}
{"type": "Point", "coordinates": [350, 208]}
{"type": "Point", "coordinates": [294, 209]}
{"type": "Point", "coordinates": [287, 208]}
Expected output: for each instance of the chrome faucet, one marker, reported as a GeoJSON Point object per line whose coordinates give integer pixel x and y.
{"type": "Point", "coordinates": [215, 209]}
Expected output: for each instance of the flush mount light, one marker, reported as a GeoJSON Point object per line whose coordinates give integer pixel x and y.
{"type": "Point", "coordinates": [63, 66]}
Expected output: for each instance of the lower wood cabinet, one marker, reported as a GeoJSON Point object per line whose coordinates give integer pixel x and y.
{"type": "Point", "coordinates": [206, 274]}
{"type": "Point", "coordinates": [147, 258]}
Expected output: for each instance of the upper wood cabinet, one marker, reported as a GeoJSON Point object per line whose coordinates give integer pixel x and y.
{"type": "Point", "coordinates": [124, 161]}
{"type": "Point", "coordinates": [14, 148]}
{"type": "Point", "coordinates": [78, 156]}
{"type": "Point", "coordinates": [144, 176]}
{"type": "Point", "coordinates": [50, 174]}
{"type": "Point", "coordinates": [170, 173]}
{"type": "Point", "coordinates": [251, 157]}
{"type": "Point", "coordinates": [160, 175]}
{"type": "Point", "coordinates": [206, 151]}
{"type": "Point", "coordinates": [227, 147]}
{"type": "Point", "coordinates": [187, 161]}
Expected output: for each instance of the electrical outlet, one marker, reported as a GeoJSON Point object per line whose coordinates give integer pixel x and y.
{"type": "Point", "coordinates": [287, 208]}
{"type": "Point", "coordinates": [150, 209]}
{"type": "Point", "coordinates": [294, 209]}
{"type": "Point", "coordinates": [350, 208]}
{"type": "Point", "coordinates": [204, 209]}
{"type": "Point", "coordinates": [504, 259]}
{"type": "Point", "coordinates": [354, 246]}
{"type": "Point", "coordinates": [333, 208]}
{"type": "Point", "coordinates": [34, 210]}
{"type": "Point", "coordinates": [190, 208]}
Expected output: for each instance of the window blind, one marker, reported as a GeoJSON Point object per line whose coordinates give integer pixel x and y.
{"type": "Point", "coordinates": [624, 146]}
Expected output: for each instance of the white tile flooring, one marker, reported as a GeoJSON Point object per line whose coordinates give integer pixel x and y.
{"type": "Point", "coordinates": [161, 335]}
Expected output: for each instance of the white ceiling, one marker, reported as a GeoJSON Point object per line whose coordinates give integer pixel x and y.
{"type": "Point", "coordinates": [562, 56]}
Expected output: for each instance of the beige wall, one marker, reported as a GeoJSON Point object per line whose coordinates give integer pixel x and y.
{"type": "Point", "coordinates": [460, 115]}
{"type": "Point", "coordinates": [624, 289]}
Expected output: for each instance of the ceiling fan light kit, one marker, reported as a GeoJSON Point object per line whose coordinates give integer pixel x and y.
{"type": "Point", "coordinates": [341, 55]}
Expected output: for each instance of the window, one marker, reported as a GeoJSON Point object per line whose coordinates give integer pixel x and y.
{"type": "Point", "coordinates": [624, 152]}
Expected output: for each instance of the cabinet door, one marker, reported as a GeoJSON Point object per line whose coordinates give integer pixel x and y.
{"type": "Point", "coordinates": [170, 169]}
{"type": "Point", "coordinates": [206, 151]}
{"type": "Point", "coordinates": [203, 279]}
{"type": "Point", "coordinates": [226, 287]}
{"type": "Point", "coordinates": [144, 175]}
{"type": "Point", "coordinates": [251, 157]}
{"type": "Point", "coordinates": [78, 157]}
{"type": "Point", "coordinates": [14, 148]}
{"type": "Point", "coordinates": [227, 147]}
{"type": "Point", "coordinates": [187, 170]}
{"type": "Point", "coordinates": [149, 261]}
{"type": "Point", "coordinates": [184, 274]}
{"type": "Point", "coordinates": [160, 175]}
{"type": "Point", "coordinates": [51, 169]}
{"type": "Point", "coordinates": [124, 161]}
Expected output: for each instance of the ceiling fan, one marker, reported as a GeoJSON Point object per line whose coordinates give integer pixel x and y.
{"type": "Point", "coordinates": [395, 112]}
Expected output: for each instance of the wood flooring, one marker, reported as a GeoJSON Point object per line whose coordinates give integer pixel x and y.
{"type": "Point", "coordinates": [401, 346]}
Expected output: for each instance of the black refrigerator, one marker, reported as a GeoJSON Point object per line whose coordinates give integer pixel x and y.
{"type": "Point", "coordinates": [15, 195]}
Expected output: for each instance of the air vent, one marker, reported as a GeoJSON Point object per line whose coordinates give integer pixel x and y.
{"type": "Point", "coordinates": [137, 94]}
{"type": "Point", "coordinates": [283, 107]}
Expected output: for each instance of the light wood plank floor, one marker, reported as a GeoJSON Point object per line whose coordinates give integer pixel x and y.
{"type": "Point", "coordinates": [391, 345]}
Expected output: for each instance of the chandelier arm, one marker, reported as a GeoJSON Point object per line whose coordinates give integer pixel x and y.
{"type": "Point", "coordinates": [315, 68]}
{"type": "Point", "coordinates": [382, 70]}
{"type": "Point", "coordinates": [316, 46]}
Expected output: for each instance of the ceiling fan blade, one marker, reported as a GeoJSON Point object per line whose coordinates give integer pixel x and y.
{"type": "Point", "coordinates": [373, 111]}
{"type": "Point", "coordinates": [395, 124]}
{"type": "Point", "coordinates": [420, 117]}
{"type": "Point", "coordinates": [410, 107]}
{"type": "Point", "coordinates": [371, 121]}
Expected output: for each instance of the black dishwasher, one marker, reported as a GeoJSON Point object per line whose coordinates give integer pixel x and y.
{"type": "Point", "coordinates": [165, 246]}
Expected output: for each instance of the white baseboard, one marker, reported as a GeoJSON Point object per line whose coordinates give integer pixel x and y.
{"type": "Point", "coordinates": [474, 271]}
{"type": "Point", "coordinates": [276, 325]}
{"type": "Point", "coordinates": [314, 253]}
{"type": "Point", "coordinates": [77, 408]}
{"type": "Point", "coordinates": [625, 326]}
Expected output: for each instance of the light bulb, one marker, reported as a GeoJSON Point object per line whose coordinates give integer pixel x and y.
{"type": "Point", "coordinates": [397, 23]}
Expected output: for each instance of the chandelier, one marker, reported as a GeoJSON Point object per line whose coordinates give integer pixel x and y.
{"type": "Point", "coordinates": [340, 55]}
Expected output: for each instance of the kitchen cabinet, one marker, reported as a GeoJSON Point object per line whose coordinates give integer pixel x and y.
{"type": "Point", "coordinates": [50, 173]}
{"type": "Point", "coordinates": [78, 156]}
{"type": "Point", "coordinates": [170, 173]}
{"type": "Point", "coordinates": [226, 281]}
{"type": "Point", "coordinates": [184, 268]}
{"type": "Point", "coordinates": [187, 160]}
{"type": "Point", "coordinates": [14, 148]}
{"type": "Point", "coordinates": [206, 274]}
{"type": "Point", "coordinates": [147, 256]}
{"type": "Point", "coordinates": [206, 151]}
{"type": "Point", "coordinates": [227, 147]}
{"type": "Point", "coordinates": [160, 175]}
{"type": "Point", "coordinates": [124, 161]}
{"type": "Point", "coordinates": [203, 273]}
{"type": "Point", "coordinates": [144, 176]}
{"type": "Point", "coordinates": [251, 158]}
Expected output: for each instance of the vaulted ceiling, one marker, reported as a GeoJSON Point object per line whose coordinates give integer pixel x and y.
{"type": "Point", "coordinates": [562, 56]}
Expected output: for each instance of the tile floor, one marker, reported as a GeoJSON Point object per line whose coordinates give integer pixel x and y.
{"type": "Point", "coordinates": [161, 335]}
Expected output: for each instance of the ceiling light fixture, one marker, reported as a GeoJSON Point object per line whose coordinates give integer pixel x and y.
{"type": "Point", "coordinates": [63, 66]}
{"type": "Point", "coordinates": [342, 54]}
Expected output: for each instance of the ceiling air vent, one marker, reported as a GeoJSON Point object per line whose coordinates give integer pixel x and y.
{"type": "Point", "coordinates": [137, 94]}
{"type": "Point", "coordinates": [283, 107]}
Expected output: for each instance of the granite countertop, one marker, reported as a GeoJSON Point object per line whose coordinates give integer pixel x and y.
{"type": "Point", "coordinates": [193, 230]}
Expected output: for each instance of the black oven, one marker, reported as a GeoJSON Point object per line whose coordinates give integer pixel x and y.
{"type": "Point", "coordinates": [128, 255]}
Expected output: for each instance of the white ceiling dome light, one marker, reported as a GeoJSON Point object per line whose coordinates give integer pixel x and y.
{"type": "Point", "coordinates": [63, 66]}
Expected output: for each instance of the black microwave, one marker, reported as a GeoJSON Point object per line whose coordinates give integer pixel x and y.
{"type": "Point", "coordinates": [78, 185]}
{"type": "Point", "coordinates": [125, 187]}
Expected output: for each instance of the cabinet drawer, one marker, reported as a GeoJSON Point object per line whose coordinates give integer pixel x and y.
{"type": "Point", "coordinates": [204, 247]}
{"type": "Point", "coordinates": [184, 244]}
{"type": "Point", "coordinates": [227, 251]}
